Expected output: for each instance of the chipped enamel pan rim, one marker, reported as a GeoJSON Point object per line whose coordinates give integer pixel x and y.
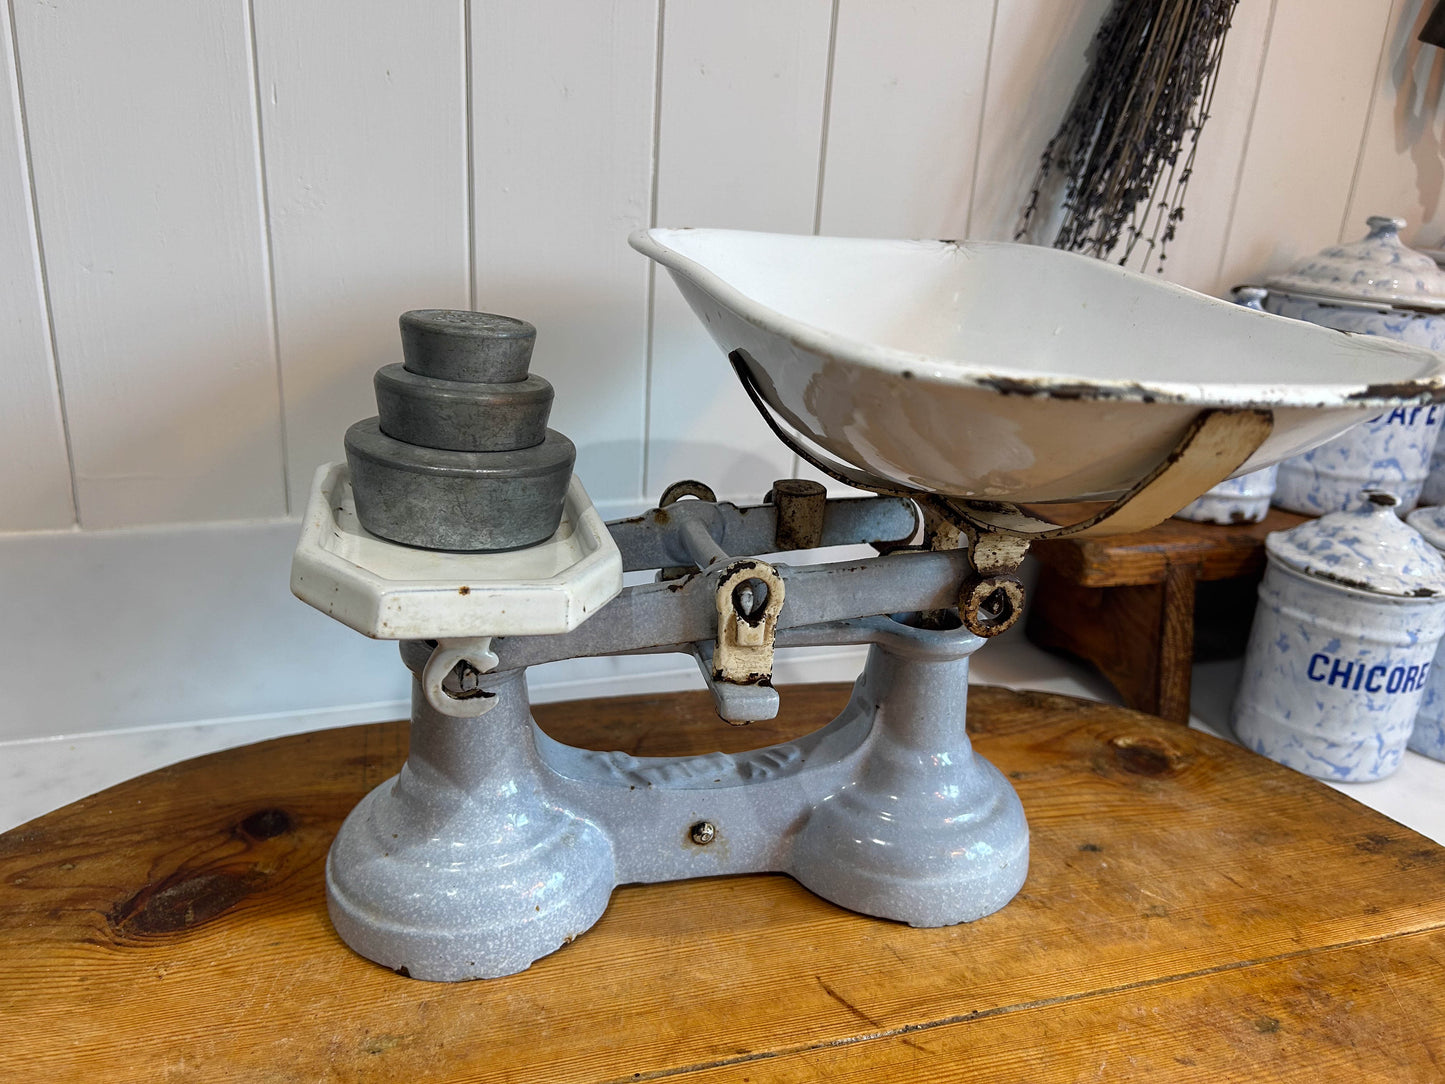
{"type": "Point", "coordinates": [1409, 374]}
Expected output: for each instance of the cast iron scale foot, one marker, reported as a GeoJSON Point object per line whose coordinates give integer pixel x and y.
{"type": "Point", "coordinates": [496, 845]}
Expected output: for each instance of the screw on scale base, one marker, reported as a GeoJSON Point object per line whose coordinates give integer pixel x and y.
{"type": "Point", "coordinates": [702, 833]}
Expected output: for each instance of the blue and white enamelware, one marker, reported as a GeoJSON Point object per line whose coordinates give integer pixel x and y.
{"type": "Point", "coordinates": [1350, 612]}
{"type": "Point", "coordinates": [1376, 286]}
{"type": "Point", "coordinates": [1428, 736]}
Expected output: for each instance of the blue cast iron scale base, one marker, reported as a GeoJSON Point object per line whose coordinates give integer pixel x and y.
{"type": "Point", "coordinates": [497, 845]}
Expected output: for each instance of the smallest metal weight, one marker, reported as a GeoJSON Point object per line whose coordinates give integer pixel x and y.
{"type": "Point", "coordinates": [460, 457]}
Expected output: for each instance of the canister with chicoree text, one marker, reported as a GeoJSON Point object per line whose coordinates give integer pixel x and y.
{"type": "Point", "coordinates": [1351, 610]}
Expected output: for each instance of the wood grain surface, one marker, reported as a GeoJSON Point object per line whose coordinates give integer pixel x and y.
{"type": "Point", "coordinates": [1126, 603]}
{"type": "Point", "coordinates": [1193, 912]}
{"type": "Point", "coordinates": [1213, 551]}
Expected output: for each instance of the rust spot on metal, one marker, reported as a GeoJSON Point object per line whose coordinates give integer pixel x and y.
{"type": "Point", "coordinates": [990, 605]}
{"type": "Point", "coordinates": [1361, 585]}
{"type": "Point", "coordinates": [801, 505]}
{"type": "Point", "coordinates": [688, 487]}
{"type": "Point", "coordinates": [1409, 390]}
{"type": "Point", "coordinates": [464, 590]}
{"type": "Point", "coordinates": [1045, 389]}
{"type": "Point", "coordinates": [750, 678]}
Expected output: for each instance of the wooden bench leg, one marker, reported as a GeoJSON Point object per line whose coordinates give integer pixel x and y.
{"type": "Point", "coordinates": [1141, 638]}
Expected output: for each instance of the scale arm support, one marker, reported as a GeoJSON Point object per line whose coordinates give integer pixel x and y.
{"type": "Point", "coordinates": [660, 616]}
{"type": "Point", "coordinates": [655, 539]}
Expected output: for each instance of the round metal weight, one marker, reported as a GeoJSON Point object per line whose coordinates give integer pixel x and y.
{"type": "Point", "coordinates": [467, 502]}
{"type": "Point", "coordinates": [478, 347]}
{"type": "Point", "coordinates": [462, 417]}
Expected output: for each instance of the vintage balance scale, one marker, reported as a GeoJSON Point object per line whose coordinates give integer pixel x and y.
{"type": "Point", "coordinates": [954, 381]}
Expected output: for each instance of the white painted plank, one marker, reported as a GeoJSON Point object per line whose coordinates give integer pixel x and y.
{"type": "Point", "coordinates": [363, 115]}
{"type": "Point", "coordinates": [1314, 99]}
{"type": "Point", "coordinates": [172, 624]}
{"type": "Point", "coordinates": [1038, 58]}
{"type": "Point", "coordinates": [143, 140]}
{"type": "Point", "coordinates": [35, 479]}
{"type": "Point", "coordinates": [903, 118]}
{"type": "Point", "coordinates": [1402, 164]}
{"type": "Point", "coordinates": [1193, 257]}
{"type": "Point", "coordinates": [562, 105]}
{"type": "Point", "coordinates": [904, 110]}
{"type": "Point", "coordinates": [742, 93]}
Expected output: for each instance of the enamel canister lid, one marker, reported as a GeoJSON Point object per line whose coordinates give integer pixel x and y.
{"type": "Point", "coordinates": [1378, 270]}
{"type": "Point", "coordinates": [1368, 548]}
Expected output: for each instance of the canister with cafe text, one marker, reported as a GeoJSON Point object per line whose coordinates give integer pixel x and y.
{"type": "Point", "coordinates": [1376, 286]}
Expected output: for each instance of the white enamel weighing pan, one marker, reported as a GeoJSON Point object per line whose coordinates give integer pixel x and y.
{"type": "Point", "coordinates": [1005, 372]}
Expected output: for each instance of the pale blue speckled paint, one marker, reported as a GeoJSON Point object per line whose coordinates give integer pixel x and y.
{"type": "Point", "coordinates": [1433, 491]}
{"type": "Point", "coordinates": [1428, 736]}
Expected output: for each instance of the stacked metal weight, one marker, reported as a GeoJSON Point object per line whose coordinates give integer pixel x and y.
{"type": "Point", "coordinates": [460, 457]}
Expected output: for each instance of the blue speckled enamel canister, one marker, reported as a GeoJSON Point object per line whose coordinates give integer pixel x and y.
{"type": "Point", "coordinates": [1428, 737]}
{"type": "Point", "coordinates": [1372, 287]}
{"type": "Point", "coordinates": [1351, 610]}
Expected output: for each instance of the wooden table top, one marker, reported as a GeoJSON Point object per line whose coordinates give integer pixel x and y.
{"type": "Point", "coordinates": [1192, 913]}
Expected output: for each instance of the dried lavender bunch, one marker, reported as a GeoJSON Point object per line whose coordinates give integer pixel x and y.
{"type": "Point", "coordinates": [1125, 151]}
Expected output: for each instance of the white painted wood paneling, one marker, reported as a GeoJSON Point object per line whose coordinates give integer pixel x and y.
{"type": "Point", "coordinates": [143, 142]}
{"type": "Point", "coordinates": [903, 117]}
{"type": "Point", "coordinates": [363, 117]}
{"type": "Point", "coordinates": [173, 624]}
{"type": "Point", "coordinates": [1194, 256]}
{"type": "Point", "coordinates": [1314, 99]}
{"type": "Point", "coordinates": [739, 140]}
{"type": "Point", "coordinates": [35, 477]}
{"type": "Point", "coordinates": [1402, 163]}
{"type": "Point", "coordinates": [562, 106]}
{"type": "Point", "coordinates": [904, 107]}
{"type": "Point", "coordinates": [1037, 60]}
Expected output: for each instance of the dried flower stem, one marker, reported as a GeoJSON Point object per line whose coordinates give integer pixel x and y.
{"type": "Point", "coordinates": [1138, 112]}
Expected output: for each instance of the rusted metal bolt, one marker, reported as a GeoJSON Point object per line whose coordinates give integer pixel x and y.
{"type": "Point", "coordinates": [990, 605]}
{"type": "Point", "coordinates": [703, 832]}
{"type": "Point", "coordinates": [463, 682]}
{"type": "Point", "coordinates": [750, 599]}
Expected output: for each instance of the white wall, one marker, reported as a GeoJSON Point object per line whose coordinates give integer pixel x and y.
{"type": "Point", "coordinates": [211, 215]}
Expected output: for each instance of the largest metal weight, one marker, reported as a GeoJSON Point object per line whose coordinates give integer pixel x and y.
{"type": "Point", "coordinates": [459, 456]}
